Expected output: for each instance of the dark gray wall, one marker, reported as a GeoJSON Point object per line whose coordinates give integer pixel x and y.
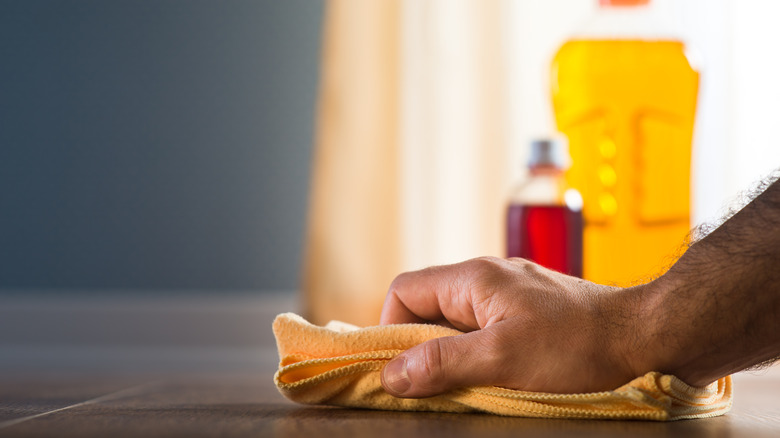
{"type": "Point", "coordinates": [150, 144]}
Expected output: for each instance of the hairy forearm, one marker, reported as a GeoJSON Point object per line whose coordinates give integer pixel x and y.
{"type": "Point", "coordinates": [717, 310]}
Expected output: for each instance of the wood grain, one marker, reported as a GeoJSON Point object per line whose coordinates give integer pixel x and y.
{"type": "Point", "coordinates": [229, 392]}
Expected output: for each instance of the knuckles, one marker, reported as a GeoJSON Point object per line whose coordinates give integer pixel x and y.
{"type": "Point", "coordinates": [491, 274]}
{"type": "Point", "coordinates": [491, 266]}
{"type": "Point", "coordinates": [486, 266]}
{"type": "Point", "coordinates": [399, 283]}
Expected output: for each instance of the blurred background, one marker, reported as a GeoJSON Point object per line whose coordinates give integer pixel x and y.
{"type": "Point", "coordinates": [155, 145]}
{"type": "Point", "coordinates": [170, 145]}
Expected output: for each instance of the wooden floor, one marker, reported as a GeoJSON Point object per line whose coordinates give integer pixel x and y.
{"type": "Point", "coordinates": [202, 366]}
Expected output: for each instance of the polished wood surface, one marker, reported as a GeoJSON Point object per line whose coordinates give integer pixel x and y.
{"type": "Point", "coordinates": [202, 366]}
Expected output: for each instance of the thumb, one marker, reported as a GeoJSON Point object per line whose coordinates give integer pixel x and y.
{"type": "Point", "coordinates": [440, 365]}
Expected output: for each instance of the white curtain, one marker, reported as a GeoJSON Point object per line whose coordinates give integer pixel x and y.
{"type": "Point", "coordinates": [410, 165]}
{"type": "Point", "coordinates": [453, 131]}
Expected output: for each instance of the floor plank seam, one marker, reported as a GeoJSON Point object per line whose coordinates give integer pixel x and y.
{"type": "Point", "coordinates": [105, 397]}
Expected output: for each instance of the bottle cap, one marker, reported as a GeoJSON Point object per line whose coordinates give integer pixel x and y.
{"type": "Point", "coordinates": [548, 152]}
{"type": "Point", "coordinates": [623, 2]}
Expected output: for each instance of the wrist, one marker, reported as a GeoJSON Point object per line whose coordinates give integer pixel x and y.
{"type": "Point", "coordinates": [623, 335]}
{"type": "Point", "coordinates": [639, 341]}
{"type": "Point", "coordinates": [669, 332]}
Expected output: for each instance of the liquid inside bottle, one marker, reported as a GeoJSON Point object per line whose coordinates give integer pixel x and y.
{"type": "Point", "coordinates": [627, 107]}
{"type": "Point", "coordinates": [550, 235]}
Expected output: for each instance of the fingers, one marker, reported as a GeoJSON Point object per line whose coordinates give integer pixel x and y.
{"type": "Point", "coordinates": [395, 311]}
{"type": "Point", "coordinates": [447, 294]}
{"type": "Point", "coordinates": [433, 294]}
{"type": "Point", "coordinates": [414, 296]}
{"type": "Point", "coordinates": [443, 364]}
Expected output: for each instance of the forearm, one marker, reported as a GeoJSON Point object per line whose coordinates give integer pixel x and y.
{"type": "Point", "coordinates": [717, 310]}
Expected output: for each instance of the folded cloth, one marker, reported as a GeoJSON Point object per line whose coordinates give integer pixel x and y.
{"type": "Point", "coordinates": [340, 364]}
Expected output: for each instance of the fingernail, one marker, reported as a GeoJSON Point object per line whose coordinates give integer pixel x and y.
{"type": "Point", "coordinates": [395, 378]}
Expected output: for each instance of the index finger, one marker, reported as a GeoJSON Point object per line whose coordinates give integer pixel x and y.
{"type": "Point", "coordinates": [430, 295]}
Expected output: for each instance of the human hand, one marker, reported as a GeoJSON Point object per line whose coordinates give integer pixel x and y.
{"type": "Point", "coordinates": [528, 328]}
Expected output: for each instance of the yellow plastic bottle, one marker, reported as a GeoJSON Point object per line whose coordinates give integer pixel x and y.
{"type": "Point", "coordinates": [624, 92]}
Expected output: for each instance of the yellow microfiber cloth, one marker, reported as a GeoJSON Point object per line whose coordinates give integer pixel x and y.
{"type": "Point", "coordinates": [340, 365]}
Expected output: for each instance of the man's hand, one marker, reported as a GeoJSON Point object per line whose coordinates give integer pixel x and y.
{"type": "Point", "coordinates": [715, 312]}
{"type": "Point", "coordinates": [528, 328]}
